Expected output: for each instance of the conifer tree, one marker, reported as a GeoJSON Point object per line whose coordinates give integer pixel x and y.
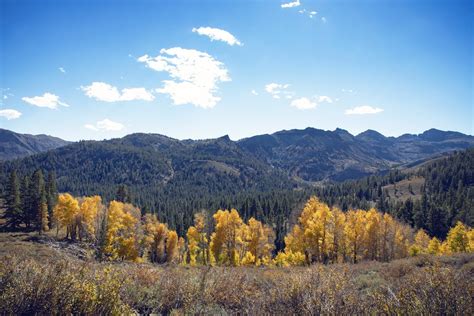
{"type": "Point", "coordinates": [51, 193]}
{"type": "Point", "coordinates": [43, 220]}
{"type": "Point", "coordinates": [26, 201]}
{"type": "Point", "coordinates": [13, 211]}
{"type": "Point", "coordinates": [38, 201]}
{"type": "Point", "coordinates": [122, 194]}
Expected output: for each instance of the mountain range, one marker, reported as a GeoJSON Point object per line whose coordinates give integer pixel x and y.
{"type": "Point", "coordinates": [14, 145]}
{"type": "Point", "coordinates": [308, 155]}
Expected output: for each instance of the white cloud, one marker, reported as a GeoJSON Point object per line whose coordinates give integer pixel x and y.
{"type": "Point", "coordinates": [195, 75]}
{"type": "Point", "coordinates": [105, 92]}
{"type": "Point", "coordinates": [130, 94]}
{"type": "Point", "coordinates": [105, 125]}
{"type": "Point", "coordinates": [47, 100]}
{"type": "Point", "coordinates": [291, 4]}
{"type": "Point", "coordinates": [303, 104]}
{"type": "Point", "coordinates": [273, 88]}
{"type": "Point", "coordinates": [347, 91]}
{"type": "Point", "coordinates": [324, 98]}
{"type": "Point", "coordinates": [10, 114]}
{"type": "Point", "coordinates": [254, 92]}
{"type": "Point", "coordinates": [277, 90]}
{"type": "Point", "coordinates": [61, 69]}
{"type": "Point", "coordinates": [311, 14]}
{"type": "Point", "coordinates": [364, 109]}
{"type": "Point", "coordinates": [323, 19]}
{"type": "Point", "coordinates": [217, 35]}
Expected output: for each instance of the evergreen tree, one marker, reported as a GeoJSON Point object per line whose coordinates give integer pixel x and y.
{"type": "Point", "coordinates": [25, 201]}
{"type": "Point", "coordinates": [122, 194]}
{"type": "Point", "coordinates": [51, 193]}
{"type": "Point", "coordinates": [38, 200]}
{"type": "Point", "coordinates": [42, 215]}
{"type": "Point", "coordinates": [13, 214]}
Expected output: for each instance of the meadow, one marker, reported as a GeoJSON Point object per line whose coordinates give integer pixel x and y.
{"type": "Point", "coordinates": [58, 283]}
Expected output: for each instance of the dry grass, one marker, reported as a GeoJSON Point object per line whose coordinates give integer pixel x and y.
{"type": "Point", "coordinates": [425, 285]}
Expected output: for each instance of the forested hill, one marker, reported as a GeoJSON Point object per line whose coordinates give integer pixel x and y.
{"type": "Point", "coordinates": [308, 155]}
{"type": "Point", "coordinates": [433, 195]}
{"type": "Point", "coordinates": [267, 176]}
{"type": "Point", "coordinates": [315, 155]}
{"type": "Point", "coordinates": [14, 145]}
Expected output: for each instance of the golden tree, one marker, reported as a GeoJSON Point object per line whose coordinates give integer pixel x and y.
{"type": "Point", "coordinates": [259, 240]}
{"type": "Point", "coordinates": [355, 233]}
{"type": "Point", "coordinates": [172, 251]}
{"type": "Point", "coordinates": [338, 247]}
{"type": "Point", "coordinates": [156, 234]}
{"type": "Point", "coordinates": [123, 231]}
{"type": "Point", "coordinates": [198, 240]}
{"type": "Point", "coordinates": [434, 246]}
{"type": "Point", "coordinates": [372, 233]}
{"type": "Point", "coordinates": [421, 243]}
{"type": "Point", "coordinates": [226, 240]}
{"type": "Point", "coordinates": [88, 216]}
{"type": "Point", "coordinates": [65, 213]}
{"type": "Point", "coordinates": [312, 236]}
{"type": "Point", "coordinates": [458, 239]}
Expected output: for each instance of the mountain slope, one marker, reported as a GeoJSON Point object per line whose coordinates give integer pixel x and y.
{"type": "Point", "coordinates": [175, 178]}
{"type": "Point", "coordinates": [14, 145]}
{"type": "Point", "coordinates": [154, 164]}
{"type": "Point", "coordinates": [285, 157]}
{"type": "Point", "coordinates": [315, 155]}
{"type": "Point", "coordinates": [432, 194]}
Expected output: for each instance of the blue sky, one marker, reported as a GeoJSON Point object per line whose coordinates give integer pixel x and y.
{"type": "Point", "coordinates": [203, 69]}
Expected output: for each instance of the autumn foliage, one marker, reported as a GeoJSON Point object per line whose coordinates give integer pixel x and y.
{"type": "Point", "coordinates": [322, 234]}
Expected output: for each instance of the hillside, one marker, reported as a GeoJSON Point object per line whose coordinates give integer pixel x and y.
{"type": "Point", "coordinates": [315, 155]}
{"type": "Point", "coordinates": [432, 194]}
{"type": "Point", "coordinates": [175, 178]}
{"type": "Point", "coordinates": [14, 145]}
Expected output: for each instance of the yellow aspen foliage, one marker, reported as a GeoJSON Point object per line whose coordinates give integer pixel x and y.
{"type": "Point", "coordinates": [193, 244]}
{"type": "Point", "coordinates": [248, 260]}
{"type": "Point", "coordinates": [387, 237]}
{"type": "Point", "coordinates": [318, 229]}
{"type": "Point", "coordinates": [373, 221]}
{"type": "Point", "coordinates": [172, 251]}
{"type": "Point", "coordinates": [326, 234]}
{"type": "Point", "coordinates": [65, 213]}
{"type": "Point", "coordinates": [312, 235]}
{"type": "Point", "coordinates": [458, 240]}
{"type": "Point", "coordinates": [355, 233]}
{"type": "Point", "coordinates": [198, 240]}
{"type": "Point", "coordinates": [470, 237]}
{"type": "Point", "coordinates": [156, 234]}
{"type": "Point", "coordinates": [445, 249]}
{"type": "Point", "coordinates": [420, 246]}
{"type": "Point", "coordinates": [294, 240]}
{"type": "Point", "coordinates": [181, 250]}
{"type": "Point", "coordinates": [226, 241]}
{"type": "Point", "coordinates": [401, 241]}
{"type": "Point", "coordinates": [122, 238]}
{"type": "Point", "coordinates": [259, 240]}
{"type": "Point", "coordinates": [338, 248]}
{"type": "Point", "coordinates": [88, 214]}
{"type": "Point", "coordinates": [434, 246]}
{"type": "Point", "coordinates": [289, 258]}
